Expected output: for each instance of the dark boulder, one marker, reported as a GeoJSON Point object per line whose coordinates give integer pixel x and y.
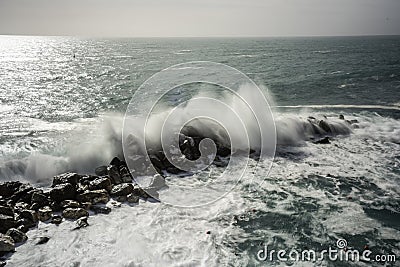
{"type": "Point", "coordinates": [17, 235]}
{"type": "Point", "coordinates": [45, 213]}
{"type": "Point", "coordinates": [325, 126]}
{"type": "Point", "coordinates": [30, 215]}
{"type": "Point", "coordinates": [66, 178]}
{"type": "Point", "coordinates": [131, 198]}
{"type": "Point", "coordinates": [6, 243]}
{"type": "Point", "coordinates": [121, 190]}
{"type": "Point", "coordinates": [100, 183]}
{"type": "Point", "coordinates": [113, 173]}
{"type": "Point", "coordinates": [6, 222]}
{"type": "Point", "coordinates": [70, 204]}
{"type": "Point", "coordinates": [62, 192]}
{"type": "Point", "coordinates": [7, 189]}
{"type": "Point", "coordinates": [56, 219]}
{"type": "Point", "coordinates": [74, 213]}
{"type": "Point", "coordinates": [42, 240]}
{"type": "Point", "coordinates": [125, 175]}
{"type": "Point", "coordinates": [39, 198]}
{"type": "Point", "coordinates": [101, 171]}
{"type": "Point", "coordinates": [324, 140]}
{"type": "Point", "coordinates": [100, 209]}
{"type": "Point", "coordinates": [5, 210]}
{"type": "Point", "coordinates": [95, 196]}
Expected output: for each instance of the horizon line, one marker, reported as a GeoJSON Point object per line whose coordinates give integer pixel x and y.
{"type": "Point", "coordinates": [212, 36]}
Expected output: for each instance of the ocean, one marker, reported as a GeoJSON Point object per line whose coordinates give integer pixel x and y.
{"type": "Point", "coordinates": [62, 104]}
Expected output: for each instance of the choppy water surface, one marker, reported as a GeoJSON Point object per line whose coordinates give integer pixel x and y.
{"type": "Point", "coordinates": [57, 111]}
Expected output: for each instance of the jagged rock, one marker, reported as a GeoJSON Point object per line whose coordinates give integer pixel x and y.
{"type": "Point", "coordinates": [45, 213]}
{"type": "Point", "coordinates": [95, 196]}
{"type": "Point", "coordinates": [6, 222]}
{"type": "Point", "coordinates": [6, 243]}
{"type": "Point", "coordinates": [100, 209]}
{"type": "Point", "coordinates": [17, 235]}
{"type": "Point", "coordinates": [323, 141]}
{"type": "Point", "coordinates": [85, 180]}
{"type": "Point", "coordinates": [74, 213]}
{"type": "Point", "coordinates": [82, 222]}
{"type": "Point", "coordinates": [100, 183]}
{"type": "Point", "coordinates": [40, 198]}
{"type": "Point", "coordinates": [20, 206]}
{"type": "Point", "coordinates": [56, 219]}
{"type": "Point", "coordinates": [25, 223]}
{"type": "Point", "coordinates": [113, 173]}
{"type": "Point", "coordinates": [23, 228]}
{"type": "Point", "coordinates": [23, 194]}
{"type": "Point", "coordinates": [42, 240]}
{"type": "Point", "coordinates": [6, 211]}
{"type": "Point", "coordinates": [86, 205]}
{"type": "Point", "coordinates": [121, 190]}
{"type": "Point", "coordinates": [30, 215]}
{"type": "Point", "coordinates": [324, 126]}
{"type": "Point", "coordinates": [55, 206]}
{"type": "Point", "coordinates": [117, 162]}
{"type": "Point", "coordinates": [121, 198]}
{"type": "Point", "coordinates": [131, 198]}
{"type": "Point", "coordinates": [101, 171]}
{"type": "Point", "coordinates": [341, 117]}
{"type": "Point", "coordinates": [7, 189]}
{"type": "Point", "coordinates": [125, 175]}
{"type": "Point", "coordinates": [137, 191]}
{"type": "Point", "coordinates": [70, 204]}
{"type": "Point", "coordinates": [66, 178]}
{"type": "Point", "coordinates": [62, 192]}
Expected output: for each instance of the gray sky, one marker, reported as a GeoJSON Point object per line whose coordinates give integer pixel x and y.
{"type": "Point", "coordinates": [148, 18]}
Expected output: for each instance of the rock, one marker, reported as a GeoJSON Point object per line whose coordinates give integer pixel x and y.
{"type": "Point", "coordinates": [324, 126]}
{"type": "Point", "coordinates": [121, 198]}
{"type": "Point", "coordinates": [55, 206]}
{"type": "Point", "coordinates": [353, 121]}
{"type": "Point", "coordinates": [40, 198]}
{"type": "Point", "coordinates": [62, 192]}
{"type": "Point", "coordinates": [25, 223]}
{"type": "Point", "coordinates": [24, 194]}
{"type": "Point", "coordinates": [113, 172]}
{"type": "Point", "coordinates": [30, 215]}
{"type": "Point", "coordinates": [6, 243]}
{"type": "Point", "coordinates": [121, 190]}
{"type": "Point", "coordinates": [117, 162]}
{"type": "Point", "coordinates": [323, 141]}
{"type": "Point", "coordinates": [45, 213]}
{"type": "Point", "coordinates": [6, 222]}
{"type": "Point", "coordinates": [341, 117]}
{"type": "Point", "coordinates": [137, 191]}
{"type": "Point", "coordinates": [70, 204]}
{"type": "Point", "coordinates": [100, 209]}
{"type": "Point", "coordinates": [131, 198]}
{"type": "Point", "coordinates": [81, 222]}
{"type": "Point", "coordinates": [42, 240]}
{"type": "Point", "coordinates": [56, 219]}
{"type": "Point", "coordinates": [101, 171]}
{"type": "Point", "coordinates": [34, 206]}
{"type": "Point", "coordinates": [85, 180]}
{"type": "Point", "coordinates": [74, 213]}
{"type": "Point", "coordinates": [100, 183]}
{"type": "Point", "coordinates": [126, 176]}
{"type": "Point", "coordinates": [66, 178]}
{"type": "Point", "coordinates": [2, 263]}
{"type": "Point", "coordinates": [6, 211]}
{"type": "Point", "coordinates": [23, 228]}
{"type": "Point", "coordinates": [7, 189]}
{"type": "Point", "coordinates": [17, 235]}
{"type": "Point", "coordinates": [20, 206]}
{"type": "Point", "coordinates": [95, 196]}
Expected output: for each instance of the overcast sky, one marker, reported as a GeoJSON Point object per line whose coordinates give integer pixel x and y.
{"type": "Point", "coordinates": [154, 18]}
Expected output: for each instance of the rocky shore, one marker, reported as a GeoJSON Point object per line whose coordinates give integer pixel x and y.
{"type": "Point", "coordinates": [71, 197]}
{"type": "Point", "coordinates": [75, 196]}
